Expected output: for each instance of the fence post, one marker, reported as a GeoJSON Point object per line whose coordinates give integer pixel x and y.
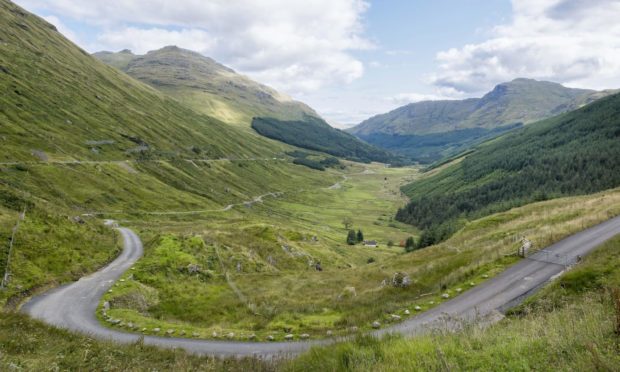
{"type": "Point", "coordinates": [5, 278]}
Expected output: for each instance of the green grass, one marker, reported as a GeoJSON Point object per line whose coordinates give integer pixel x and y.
{"type": "Point", "coordinates": [568, 326]}
{"type": "Point", "coordinates": [33, 346]}
{"type": "Point", "coordinates": [51, 249]}
{"type": "Point", "coordinates": [277, 290]}
{"type": "Point", "coordinates": [256, 260]}
{"type": "Point", "coordinates": [207, 86]}
{"type": "Point", "coordinates": [573, 154]}
{"type": "Point", "coordinates": [61, 104]}
{"type": "Point", "coordinates": [276, 245]}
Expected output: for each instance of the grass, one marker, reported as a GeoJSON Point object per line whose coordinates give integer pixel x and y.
{"type": "Point", "coordinates": [63, 104]}
{"type": "Point", "coordinates": [245, 269]}
{"type": "Point", "coordinates": [49, 250]}
{"type": "Point", "coordinates": [206, 86]}
{"type": "Point", "coordinates": [262, 279]}
{"type": "Point", "coordinates": [254, 254]}
{"type": "Point", "coordinates": [33, 346]}
{"type": "Point", "coordinates": [568, 326]}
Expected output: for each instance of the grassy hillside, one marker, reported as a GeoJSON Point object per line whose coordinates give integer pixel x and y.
{"type": "Point", "coordinates": [211, 88]}
{"type": "Point", "coordinates": [428, 131]}
{"type": "Point", "coordinates": [576, 153]}
{"type": "Point", "coordinates": [233, 230]}
{"type": "Point", "coordinates": [430, 148]}
{"type": "Point", "coordinates": [206, 86]}
{"type": "Point", "coordinates": [260, 277]}
{"type": "Point", "coordinates": [59, 103]}
{"type": "Point", "coordinates": [568, 326]}
{"type": "Point", "coordinates": [30, 345]}
{"type": "Point", "coordinates": [79, 137]}
{"type": "Point", "coordinates": [571, 325]}
{"type": "Point", "coordinates": [315, 134]}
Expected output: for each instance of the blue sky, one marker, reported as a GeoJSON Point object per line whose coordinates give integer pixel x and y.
{"type": "Point", "coordinates": [351, 59]}
{"type": "Point", "coordinates": [408, 35]}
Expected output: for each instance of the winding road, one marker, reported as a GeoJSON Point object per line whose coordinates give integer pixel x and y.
{"type": "Point", "coordinates": [73, 306]}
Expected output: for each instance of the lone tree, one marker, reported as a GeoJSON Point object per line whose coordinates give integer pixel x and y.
{"type": "Point", "coordinates": [409, 244]}
{"type": "Point", "coordinates": [347, 222]}
{"type": "Point", "coordinates": [351, 238]}
{"type": "Point", "coordinates": [360, 236]}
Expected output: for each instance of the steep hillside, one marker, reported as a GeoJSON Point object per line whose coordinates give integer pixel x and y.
{"type": "Point", "coordinates": [60, 103]}
{"type": "Point", "coordinates": [427, 131]}
{"type": "Point", "coordinates": [79, 139]}
{"type": "Point", "coordinates": [571, 325]}
{"type": "Point", "coordinates": [206, 86]}
{"type": "Point", "coordinates": [575, 153]}
{"type": "Point", "coordinates": [211, 88]}
{"type": "Point", "coordinates": [315, 134]}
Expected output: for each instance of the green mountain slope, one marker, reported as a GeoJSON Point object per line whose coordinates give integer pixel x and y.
{"type": "Point", "coordinates": [60, 103]}
{"type": "Point", "coordinates": [211, 88]}
{"type": "Point", "coordinates": [575, 153]}
{"type": "Point", "coordinates": [315, 134]}
{"type": "Point", "coordinates": [81, 139]}
{"type": "Point", "coordinates": [427, 131]}
{"type": "Point", "coordinates": [206, 86]}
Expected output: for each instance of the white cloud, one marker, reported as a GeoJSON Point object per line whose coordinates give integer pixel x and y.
{"type": "Point", "coordinates": [292, 45]}
{"type": "Point", "coordinates": [62, 28]}
{"type": "Point", "coordinates": [140, 40]}
{"type": "Point", "coordinates": [399, 52]}
{"type": "Point", "coordinates": [575, 42]}
{"type": "Point", "coordinates": [406, 98]}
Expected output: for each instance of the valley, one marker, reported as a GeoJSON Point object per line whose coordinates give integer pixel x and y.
{"type": "Point", "coordinates": [161, 211]}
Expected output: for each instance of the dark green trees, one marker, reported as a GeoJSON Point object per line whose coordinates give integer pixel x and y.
{"type": "Point", "coordinates": [572, 154]}
{"type": "Point", "coordinates": [315, 134]}
{"type": "Point", "coordinates": [351, 238]}
{"type": "Point", "coordinates": [360, 236]}
{"type": "Point", "coordinates": [410, 244]}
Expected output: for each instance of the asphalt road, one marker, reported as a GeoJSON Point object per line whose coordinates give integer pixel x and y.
{"type": "Point", "coordinates": [73, 306]}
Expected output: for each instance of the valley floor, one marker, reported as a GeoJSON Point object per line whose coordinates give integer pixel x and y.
{"type": "Point", "coordinates": [570, 325]}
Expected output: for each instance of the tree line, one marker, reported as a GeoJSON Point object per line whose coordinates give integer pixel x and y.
{"type": "Point", "coordinates": [575, 153]}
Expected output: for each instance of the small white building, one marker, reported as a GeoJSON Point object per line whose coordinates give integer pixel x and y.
{"type": "Point", "coordinates": [370, 243]}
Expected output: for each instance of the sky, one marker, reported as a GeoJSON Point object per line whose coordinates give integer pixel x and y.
{"type": "Point", "coordinates": [352, 59]}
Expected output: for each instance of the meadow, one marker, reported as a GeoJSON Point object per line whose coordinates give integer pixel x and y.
{"type": "Point", "coordinates": [257, 274]}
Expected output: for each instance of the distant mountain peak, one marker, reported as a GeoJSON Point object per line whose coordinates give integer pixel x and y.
{"type": "Point", "coordinates": [437, 127]}
{"type": "Point", "coordinates": [207, 85]}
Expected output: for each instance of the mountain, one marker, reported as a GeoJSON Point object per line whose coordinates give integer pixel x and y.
{"type": "Point", "coordinates": [571, 154]}
{"type": "Point", "coordinates": [214, 89]}
{"type": "Point", "coordinates": [321, 137]}
{"type": "Point", "coordinates": [427, 131]}
{"type": "Point", "coordinates": [59, 103]}
{"type": "Point", "coordinates": [206, 85]}
{"type": "Point", "coordinates": [77, 136]}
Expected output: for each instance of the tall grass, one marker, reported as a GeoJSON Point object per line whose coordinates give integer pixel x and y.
{"type": "Point", "coordinates": [566, 327]}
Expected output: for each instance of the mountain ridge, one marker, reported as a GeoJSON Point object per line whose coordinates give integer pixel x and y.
{"type": "Point", "coordinates": [206, 85]}
{"type": "Point", "coordinates": [574, 153]}
{"type": "Point", "coordinates": [427, 131]}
